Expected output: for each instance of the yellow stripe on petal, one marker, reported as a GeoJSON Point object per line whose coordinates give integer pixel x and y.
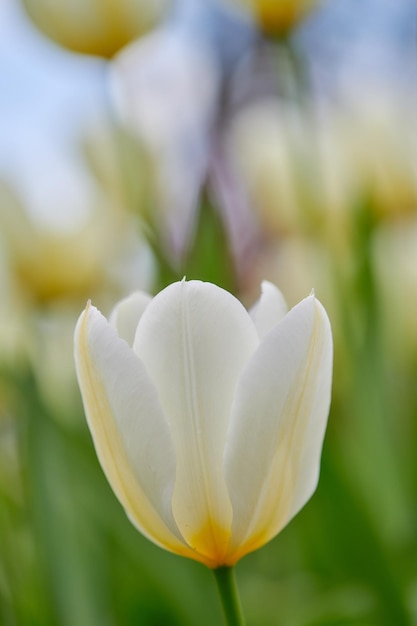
{"type": "Point", "coordinates": [212, 542]}
{"type": "Point", "coordinates": [272, 455]}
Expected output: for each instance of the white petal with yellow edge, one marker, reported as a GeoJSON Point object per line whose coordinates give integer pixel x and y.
{"type": "Point", "coordinates": [129, 430]}
{"type": "Point", "coordinates": [277, 427]}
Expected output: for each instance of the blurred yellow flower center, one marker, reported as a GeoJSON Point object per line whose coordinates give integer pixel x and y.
{"type": "Point", "coordinates": [279, 16]}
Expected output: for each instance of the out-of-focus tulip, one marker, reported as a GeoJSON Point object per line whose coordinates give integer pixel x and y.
{"type": "Point", "coordinates": [207, 420]}
{"type": "Point", "coordinates": [48, 264]}
{"type": "Point", "coordinates": [265, 146]}
{"type": "Point", "coordinates": [120, 166]}
{"type": "Point", "coordinates": [154, 83]}
{"type": "Point", "coordinates": [98, 27]}
{"type": "Point", "coordinates": [47, 269]}
{"type": "Point", "coordinates": [306, 172]}
{"type": "Point", "coordinates": [379, 135]}
{"type": "Point", "coordinates": [395, 266]}
{"type": "Point", "coordinates": [296, 174]}
{"type": "Point", "coordinates": [278, 17]}
{"type": "Point", "coordinates": [46, 275]}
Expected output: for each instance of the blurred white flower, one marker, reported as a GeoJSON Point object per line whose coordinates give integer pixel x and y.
{"type": "Point", "coordinates": [166, 90]}
{"type": "Point", "coordinates": [307, 170]}
{"type": "Point", "coordinates": [395, 264]}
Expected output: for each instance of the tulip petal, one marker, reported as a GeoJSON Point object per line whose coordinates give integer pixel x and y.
{"type": "Point", "coordinates": [195, 340]}
{"type": "Point", "coordinates": [269, 309]}
{"type": "Point", "coordinates": [127, 313]}
{"type": "Point", "coordinates": [277, 427]}
{"type": "Point", "coordinates": [129, 430]}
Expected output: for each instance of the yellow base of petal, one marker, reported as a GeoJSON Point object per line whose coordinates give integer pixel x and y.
{"type": "Point", "coordinates": [251, 545]}
{"type": "Point", "coordinates": [211, 542]}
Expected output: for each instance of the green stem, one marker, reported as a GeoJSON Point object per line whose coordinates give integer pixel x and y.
{"type": "Point", "coordinates": [226, 584]}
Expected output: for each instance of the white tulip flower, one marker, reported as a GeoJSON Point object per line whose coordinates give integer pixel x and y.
{"type": "Point", "coordinates": [208, 421]}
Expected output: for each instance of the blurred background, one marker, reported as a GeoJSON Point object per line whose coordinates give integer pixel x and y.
{"type": "Point", "coordinates": [230, 141]}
